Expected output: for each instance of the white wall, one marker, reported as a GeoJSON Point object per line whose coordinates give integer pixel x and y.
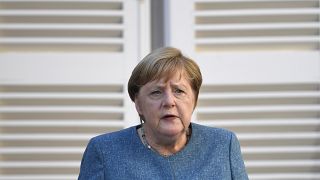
{"type": "Point", "coordinates": [64, 68]}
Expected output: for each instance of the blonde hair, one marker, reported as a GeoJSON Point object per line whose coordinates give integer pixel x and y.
{"type": "Point", "coordinates": [163, 63]}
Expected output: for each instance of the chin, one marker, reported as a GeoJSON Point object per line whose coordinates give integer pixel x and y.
{"type": "Point", "coordinates": [172, 131]}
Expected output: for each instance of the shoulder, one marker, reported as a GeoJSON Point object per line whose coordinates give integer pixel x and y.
{"type": "Point", "coordinates": [114, 137]}
{"type": "Point", "coordinates": [207, 133]}
{"type": "Point", "coordinates": [211, 130]}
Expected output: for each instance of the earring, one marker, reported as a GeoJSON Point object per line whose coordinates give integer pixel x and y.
{"type": "Point", "coordinates": [141, 119]}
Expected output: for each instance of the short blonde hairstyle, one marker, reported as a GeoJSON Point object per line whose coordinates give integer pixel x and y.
{"type": "Point", "coordinates": [163, 63]}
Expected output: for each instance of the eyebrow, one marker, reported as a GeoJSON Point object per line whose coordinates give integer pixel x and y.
{"type": "Point", "coordinates": [162, 85]}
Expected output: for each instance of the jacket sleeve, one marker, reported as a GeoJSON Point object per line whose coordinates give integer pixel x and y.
{"type": "Point", "coordinates": [92, 163]}
{"type": "Point", "coordinates": [238, 169]}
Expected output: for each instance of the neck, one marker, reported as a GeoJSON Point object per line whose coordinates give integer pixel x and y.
{"type": "Point", "coordinates": [167, 146]}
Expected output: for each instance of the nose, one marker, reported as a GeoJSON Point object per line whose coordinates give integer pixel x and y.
{"type": "Point", "coordinates": [168, 100]}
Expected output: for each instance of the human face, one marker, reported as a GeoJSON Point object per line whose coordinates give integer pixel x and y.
{"type": "Point", "coordinates": [166, 106]}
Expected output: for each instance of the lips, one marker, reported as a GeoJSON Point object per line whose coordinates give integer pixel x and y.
{"type": "Point", "coordinates": [169, 117]}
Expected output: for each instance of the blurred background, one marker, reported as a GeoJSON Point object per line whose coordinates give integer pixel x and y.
{"type": "Point", "coordinates": [64, 66]}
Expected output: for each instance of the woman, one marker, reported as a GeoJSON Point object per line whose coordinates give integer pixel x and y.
{"type": "Point", "coordinates": [164, 87]}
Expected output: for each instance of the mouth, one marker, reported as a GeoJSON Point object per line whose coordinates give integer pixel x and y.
{"type": "Point", "coordinates": [169, 117]}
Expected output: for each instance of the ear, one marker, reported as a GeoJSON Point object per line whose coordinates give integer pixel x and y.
{"type": "Point", "coordinates": [138, 105]}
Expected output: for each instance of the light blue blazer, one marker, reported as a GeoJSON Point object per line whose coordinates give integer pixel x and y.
{"type": "Point", "coordinates": [211, 153]}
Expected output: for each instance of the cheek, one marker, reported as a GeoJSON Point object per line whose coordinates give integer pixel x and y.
{"type": "Point", "coordinates": [187, 108]}
{"type": "Point", "coordinates": [147, 107]}
{"type": "Point", "coordinates": [187, 111]}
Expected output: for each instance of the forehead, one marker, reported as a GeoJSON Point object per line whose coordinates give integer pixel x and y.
{"type": "Point", "coordinates": [177, 78]}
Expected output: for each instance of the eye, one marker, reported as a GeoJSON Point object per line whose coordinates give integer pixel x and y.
{"type": "Point", "coordinates": [155, 92]}
{"type": "Point", "coordinates": [179, 91]}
